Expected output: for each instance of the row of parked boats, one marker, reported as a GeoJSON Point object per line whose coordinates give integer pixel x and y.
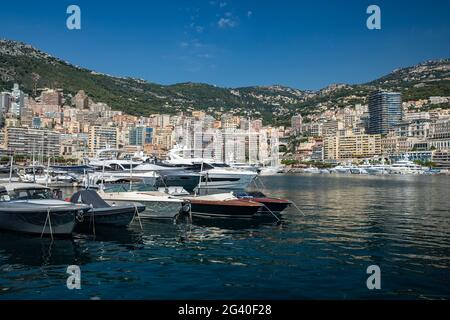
{"type": "Point", "coordinates": [37, 209]}
{"type": "Point", "coordinates": [402, 167]}
{"type": "Point", "coordinates": [190, 174]}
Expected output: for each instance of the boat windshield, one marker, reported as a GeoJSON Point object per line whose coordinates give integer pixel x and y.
{"type": "Point", "coordinates": [30, 194]}
{"type": "Point", "coordinates": [4, 196]}
{"type": "Point", "coordinates": [219, 165]}
{"type": "Point", "coordinates": [38, 171]}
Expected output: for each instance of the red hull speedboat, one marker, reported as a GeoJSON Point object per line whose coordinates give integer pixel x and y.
{"type": "Point", "coordinates": [223, 206]}
{"type": "Point", "coordinates": [275, 205]}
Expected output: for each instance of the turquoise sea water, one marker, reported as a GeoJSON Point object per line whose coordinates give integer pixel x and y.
{"type": "Point", "coordinates": [401, 224]}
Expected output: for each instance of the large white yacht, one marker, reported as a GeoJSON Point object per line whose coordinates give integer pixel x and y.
{"type": "Point", "coordinates": [94, 180]}
{"type": "Point", "coordinates": [342, 169]}
{"type": "Point", "coordinates": [375, 169]}
{"type": "Point", "coordinates": [215, 175]}
{"type": "Point", "coordinates": [110, 169]}
{"type": "Point", "coordinates": [406, 166]}
{"type": "Point", "coordinates": [270, 171]}
{"type": "Point", "coordinates": [222, 176]}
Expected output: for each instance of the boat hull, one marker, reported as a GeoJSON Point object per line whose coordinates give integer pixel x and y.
{"type": "Point", "coordinates": [95, 181]}
{"type": "Point", "coordinates": [224, 209]}
{"type": "Point", "coordinates": [226, 181]}
{"type": "Point", "coordinates": [272, 205]}
{"type": "Point", "coordinates": [188, 182]}
{"type": "Point", "coordinates": [33, 221]}
{"type": "Point", "coordinates": [119, 216]}
{"type": "Point", "coordinates": [157, 209]}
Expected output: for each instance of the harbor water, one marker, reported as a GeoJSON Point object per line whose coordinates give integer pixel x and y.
{"type": "Point", "coordinates": [350, 222]}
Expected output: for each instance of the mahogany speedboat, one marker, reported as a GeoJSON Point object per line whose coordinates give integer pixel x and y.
{"type": "Point", "coordinates": [222, 206]}
{"type": "Point", "coordinates": [276, 205]}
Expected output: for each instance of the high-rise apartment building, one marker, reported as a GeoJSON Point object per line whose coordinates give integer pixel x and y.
{"type": "Point", "coordinates": [52, 97]}
{"type": "Point", "coordinates": [5, 102]}
{"type": "Point", "coordinates": [350, 146]}
{"type": "Point", "coordinates": [18, 100]}
{"type": "Point", "coordinates": [139, 136]}
{"type": "Point", "coordinates": [296, 124]}
{"type": "Point", "coordinates": [385, 109]}
{"type": "Point", "coordinates": [81, 100]}
{"type": "Point", "coordinates": [27, 141]}
{"type": "Point", "coordinates": [101, 137]}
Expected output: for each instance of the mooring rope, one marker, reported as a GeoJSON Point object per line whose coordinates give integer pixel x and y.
{"type": "Point", "coordinates": [49, 223]}
{"type": "Point", "coordinates": [293, 203]}
{"type": "Point", "coordinates": [93, 220]}
{"type": "Point", "coordinates": [262, 183]}
{"type": "Point", "coordinates": [136, 213]}
{"type": "Point", "coordinates": [190, 212]}
{"type": "Point", "coordinates": [278, 219]}
{"type": "Point", "coordinates": [299, 210]}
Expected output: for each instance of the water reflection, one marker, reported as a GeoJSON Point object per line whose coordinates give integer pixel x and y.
{"type": "Point", "coordinates": [350, 222]}
{"type": "Point", "coordinates": [34, 251]}
{"type": "Point", "coordinates": [237, 224]}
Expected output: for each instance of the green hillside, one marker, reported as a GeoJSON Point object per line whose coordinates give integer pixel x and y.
{"type": "Point", "coordinates": [31, 68]}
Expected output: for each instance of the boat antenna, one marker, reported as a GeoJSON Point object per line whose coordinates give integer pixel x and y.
{"type": "Point", "coordinates": [103, 176]}
{"type": "Point", "coordinates": [131, 172]}
{"type": "Point", "coordinates": [86, 182]}
{"type": "Point", "coordinates": [34, 172]}
{"type": "Point", "coordinates": [200, 179]}
{"type": "Point", "coordinates": [11, 168]}
{"type": "Point", "coordinates": [48, 171]}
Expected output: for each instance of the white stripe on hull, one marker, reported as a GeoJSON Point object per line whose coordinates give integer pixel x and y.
{"type": "Point", "coordinates": [214, 215]}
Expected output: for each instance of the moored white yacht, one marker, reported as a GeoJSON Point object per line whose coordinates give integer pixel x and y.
{"type": "Point", "coordinates": [95, 180]}
{"type": "Point", "coordinates": [221, 176]}
{"type": "Point", "coordinates": [311, 170]}
{"type": "Point", "coordinates": [244, 166]}
{"type": "Point", "coordinates": [406, 166]}
{"type": "Point", "coordinates": [375, 169]}
{"type": "Point", "coordinates": [270, 171]}
{"type": "Point", "coordinates": [358, 170]}
{"type": "Point", "coordinates": [34, 174]}
{"type": "Point", "coordinates": [216, 175]}
{"type": "Point", "coordinates": [117, 170]}
{"type": "Point", "coordinates": [342, 169]}
{"type": "Point", "coordinates": [158, 205]}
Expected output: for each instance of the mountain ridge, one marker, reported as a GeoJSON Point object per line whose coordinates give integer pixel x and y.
{"type": "Point", "coordinates": [33, 68]}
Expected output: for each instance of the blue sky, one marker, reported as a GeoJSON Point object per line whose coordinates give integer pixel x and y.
{"type": "Point", "coordinates": [232, 43]}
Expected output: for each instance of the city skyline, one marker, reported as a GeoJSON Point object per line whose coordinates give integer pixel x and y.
{"type": "Point", "coordinates": [383, 127]}
{"type": "Point", "coordinates": [230, 44]}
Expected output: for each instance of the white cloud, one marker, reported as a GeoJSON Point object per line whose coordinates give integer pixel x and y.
{"type": "Point", "coordinates": [205, 55]}
{"type": "Point", "coordinates": [249, 14]}
{"type": "Point", "coordinates": [228, 21]}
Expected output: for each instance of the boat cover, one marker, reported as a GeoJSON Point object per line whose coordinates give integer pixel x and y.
{"type": "Point", "coordinates": [89, 197]}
